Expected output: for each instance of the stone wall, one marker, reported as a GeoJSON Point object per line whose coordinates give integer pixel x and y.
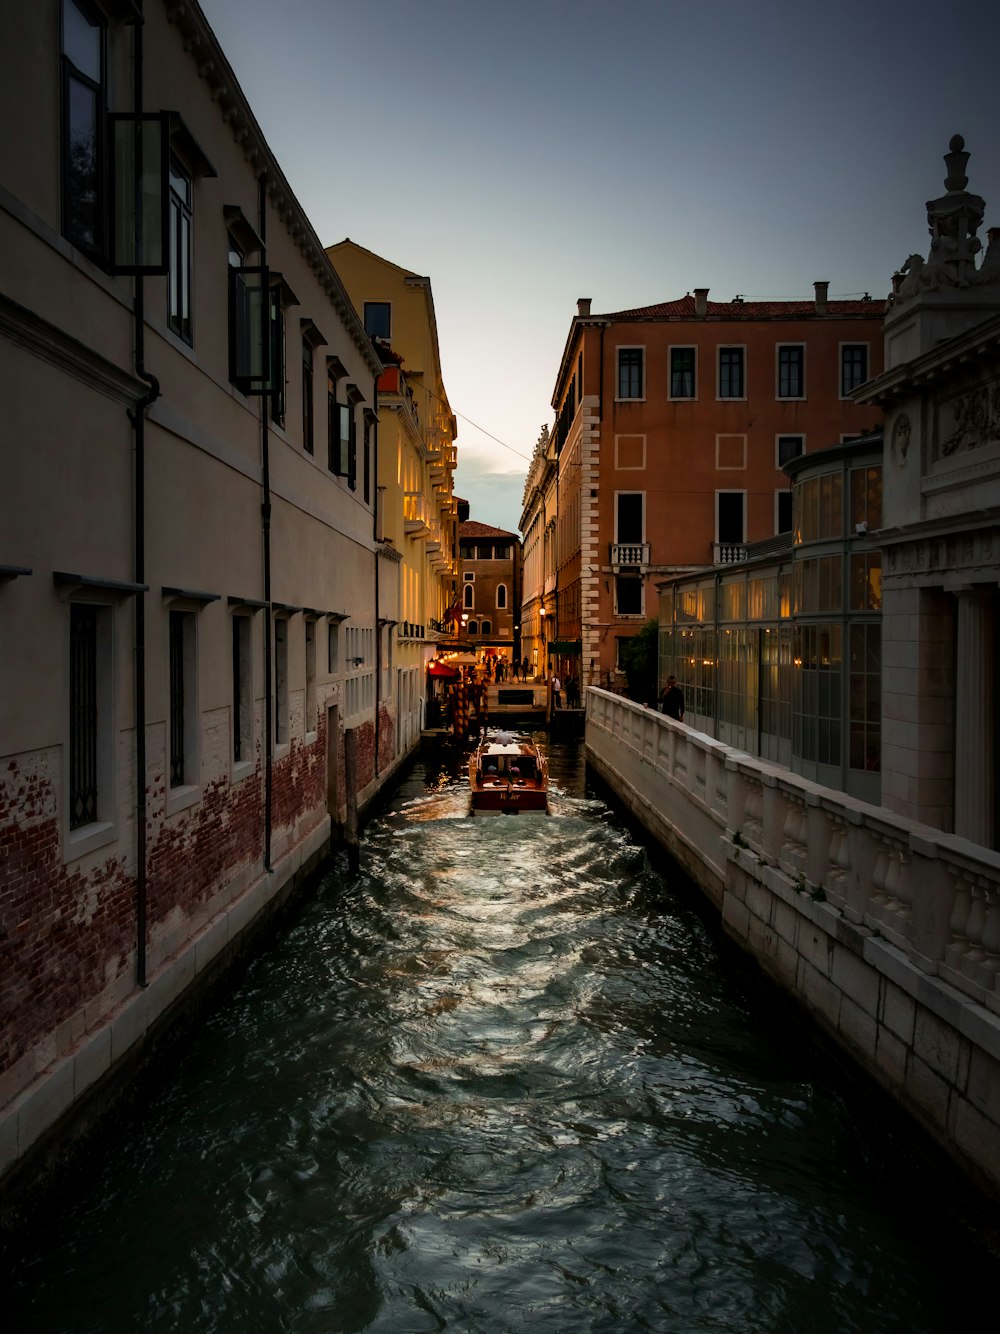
{"type": "Point", "coordinates": [886, 931]}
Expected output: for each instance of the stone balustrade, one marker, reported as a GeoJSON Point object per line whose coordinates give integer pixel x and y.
{"type": "Point", "coordinates": [933, 895]}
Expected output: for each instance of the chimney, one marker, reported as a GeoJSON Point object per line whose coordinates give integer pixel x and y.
{"type": "Point", "coordinates": [701, 300]}
{"type": "Point", "coordinates": [583, 306]}
{"type": "Point", "coordinates": [821, 291]}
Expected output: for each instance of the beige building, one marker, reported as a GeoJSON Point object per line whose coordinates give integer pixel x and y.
{"type": "Point", "coordinates": [416, 464]}
{"type": "Point", "coordinates": [940, 534]}
{"type": "Point", "coordinates": [191, 478]}
{"type": "Point", "coordinates": [540, 547]}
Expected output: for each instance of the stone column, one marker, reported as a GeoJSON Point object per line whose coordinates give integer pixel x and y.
{"type": "Point", "coordinates": [974, 687]}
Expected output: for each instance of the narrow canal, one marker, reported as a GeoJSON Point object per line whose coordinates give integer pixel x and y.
{"type": "Point", "coordinates": [505, 1079]}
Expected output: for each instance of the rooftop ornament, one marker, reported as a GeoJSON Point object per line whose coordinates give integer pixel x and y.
{"type": "Point", "coordinates": [952, 220]}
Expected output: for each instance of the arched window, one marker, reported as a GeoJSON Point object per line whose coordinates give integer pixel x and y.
{"type": "Point", "coordinates": [473, 627]}
{"type": "Point", "coordinates": [469, 596]}
{"type": "Point", "coordinates": [487, 627]}
{"type": "Point", "coordinates": [502, 596]}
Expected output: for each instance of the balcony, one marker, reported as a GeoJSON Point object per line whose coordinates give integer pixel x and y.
{"type": "Point", "coordinates": [728, 553]}
{"type": "Point", "coordinates": [629, 555]}
{"type": "Point", "coordinates": [416, 521]}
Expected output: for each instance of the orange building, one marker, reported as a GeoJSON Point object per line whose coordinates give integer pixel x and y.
{"type": "Point", "coordinates": [672, 425]}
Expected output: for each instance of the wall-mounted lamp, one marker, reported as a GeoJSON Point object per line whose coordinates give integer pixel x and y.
{"type": "Point", "coordinates": [358, 662]}
{"type": "Point", "coordinates": [541, 612]}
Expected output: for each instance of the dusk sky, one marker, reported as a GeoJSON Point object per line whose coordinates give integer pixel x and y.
{"type": "Point", "coordinates": [523, 155]}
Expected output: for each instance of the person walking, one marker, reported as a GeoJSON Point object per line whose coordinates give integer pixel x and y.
{"type": "Point", "coordinates": [524, 668]}
{"type": "Point", "coordinates": [556, 692]}
{"type": "Point", "coordinates": [672, 700]}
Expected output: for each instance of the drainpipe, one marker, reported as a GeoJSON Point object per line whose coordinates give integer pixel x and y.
{"type": "Point", "coordinates": [265, 517]}
{"type": "Point", "coordinates": [137, 416]}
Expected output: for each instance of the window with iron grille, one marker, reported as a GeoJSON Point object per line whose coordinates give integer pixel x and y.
{"type": "Point", "coordinates": [242, 700]}
{"type": "Point", "coordinates": [791, 370]}
{"type": "Point", "coordinates": [853, 367]}
{"type": "Point", "coordinates": [630, 372]}
{"type": "Point", "coordinates": [682, 372]}
{"type": "Point", "coordinates": [83, 722]}
{"type": "Point", "coordinates": [182, 697]}
{"type": "Point", "coordinates": [731, 376]}
{"type": "Point", "coordinates": [280, 681]}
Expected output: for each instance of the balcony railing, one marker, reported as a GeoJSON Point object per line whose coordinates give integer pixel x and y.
{"type": "Point", "coordinates": [415, 517]}
{"type": "Point", "coordinates": [633, 555]}
{"type": "Point", "coordinates": [728, 553]}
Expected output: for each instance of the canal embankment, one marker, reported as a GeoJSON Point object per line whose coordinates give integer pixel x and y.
{"type": "Point", "coordinates": [886, 932]}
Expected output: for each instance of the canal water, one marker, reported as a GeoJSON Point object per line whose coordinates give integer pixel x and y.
{"type": "Point", "coordinates": [507, 1078]}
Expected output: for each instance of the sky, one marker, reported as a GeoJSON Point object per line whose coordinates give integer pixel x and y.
{"type": "Point", "coordinates": [523, 155]}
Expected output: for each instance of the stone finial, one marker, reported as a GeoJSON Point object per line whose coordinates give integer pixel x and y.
{"type": "Point", "coordinates": [956, 161]}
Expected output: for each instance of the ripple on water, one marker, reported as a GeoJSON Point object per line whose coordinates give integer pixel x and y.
{"type": "Point", "coordinates": [500, 1078]}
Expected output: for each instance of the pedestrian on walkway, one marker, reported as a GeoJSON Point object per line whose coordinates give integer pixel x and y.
{"type": "Point", "coordinates": [524, 667]}
{"type": "Point", "coordinates": [672, 700]}
{"type": "Point", "coordinates": [556, 692]}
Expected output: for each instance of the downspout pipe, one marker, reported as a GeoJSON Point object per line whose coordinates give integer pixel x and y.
{"type": "Point", "coordinates": [137, 416]}
{"type": "Point", "coordinates": [265, 523]}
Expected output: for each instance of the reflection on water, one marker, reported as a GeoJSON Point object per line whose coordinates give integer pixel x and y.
{"type": "Point", "coordinates": [499, 1079]}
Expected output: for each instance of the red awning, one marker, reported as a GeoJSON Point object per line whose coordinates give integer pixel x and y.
{"type": "Point", "coordinates": [436, 668]}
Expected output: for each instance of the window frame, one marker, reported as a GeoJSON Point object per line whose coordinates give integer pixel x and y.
{"type": "Point", "coordinates": [730, 541]}
{"type": "Point", "coordinates": [242, 716]}
{"type": "Point", "coordinates": [380, 305]}
{"type": "Point", "coordinates": [640, 349]}
{"type": "Point", "coordinates": [183, 784]}
{"type": "Point", "coordinates": [308, 395]}
{"type": "Point", "coordinates": [682, 347]}
{"type": "Point", "coordinates": [842, 349]}
{"type": "Point", "coordinates": [179, 263]}
{"type": "Point", "coordinates": [788, 436]}
{"type": "Point", "coordinates": [501, 597]}
{"type": "Point", "coordinates": [741, 348]}
{"type": "Point", "coordinates": [70, 72]}
{"type": "Point", "coordinates": [780, 349]}
{"type": "Point", "coordinates": [281, 724]}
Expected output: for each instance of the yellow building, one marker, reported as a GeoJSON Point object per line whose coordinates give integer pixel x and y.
{"type": "Point", "coordinates": [416, 463]}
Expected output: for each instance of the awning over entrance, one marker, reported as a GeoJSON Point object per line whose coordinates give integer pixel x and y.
{"type": "Point", "coordinates": [441, 669]}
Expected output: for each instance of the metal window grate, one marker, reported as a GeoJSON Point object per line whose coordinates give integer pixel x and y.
{"type": "Point", "coordinates": [83, 716]}
{"type": "Point", "coordinates": [176, 698]}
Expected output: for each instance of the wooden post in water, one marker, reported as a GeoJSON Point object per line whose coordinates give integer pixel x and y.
{"type": "Point", "coordinates": [351, 793]}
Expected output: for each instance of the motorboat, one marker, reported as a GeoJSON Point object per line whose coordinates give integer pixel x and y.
{"type": "Point", "coordinates": [508, 775]}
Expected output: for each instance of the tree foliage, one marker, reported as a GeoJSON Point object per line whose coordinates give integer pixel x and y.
{"type": "Point", "coordinates": [639, 662]}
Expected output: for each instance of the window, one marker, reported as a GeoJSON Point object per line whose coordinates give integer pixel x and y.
{"type": "Point", "coordinates": [277, 322]}
{"type": "Point", "coordinates": [486, 628]}
{"type": "Point", "coordinates": [378, 322]}
{"type": "Point", "coordinates": [629, 516]}
{"type": "Point", "coordinates": [729, 516]}
{"type": "Point", "coordinates": [281, 681]}
{"type": "Point", "coordinates": [341, 431]}
{"type": "Point", "coordinates": [682, 383]}
{"type": "Point", "coordinates": [866, 697]}
{"type": "Point", "coordinates": [731, 367]}
{"type": "Point", "coordinates": [84, 102]}
{"type": "Point", "coordinates": [350, 423]}
{"type": "Point", "coordinates": [183, 699]}
{"type": "Point", "coordinates": [791, 370]}
{"type": "Point", "coordinates": [866, 498]}
{"type": "Point", "coordinates": [628, 595]}
{"type": "Point", "coordinates": [333, 648]}
{"type": "Point", "coordinates": [84, 738]}
{"type": "Point", "coordinates": [502, 596]}
{"type": "Point", "coordinates": [468, 597]}
{"type": "Point", "coordinates": [179, 272]}
{"type": "Point", "coordinates": [367, 458]}
{"type": "Point", "coordinates": [853, 367]}
{"type": "Point", "coordinates": [308, 433]}
{"type": "Point", "coordinates": [469, 576]}
{"type": "Point", "coordinates": [310, 721]}
{"type": "Point", "coordinates": [630, 372]}
{"type": "Point", "coordinates": [501, 551]}
{"type": "Point", "coordinates": [789, 447]}
{"type": "Point", "coordinates": [467, 551]}
{"type": "Point", "coordinates": [249, 323]}
{"type": "Point", "coordinates": [783, 511]}
{"type": "Point", "coordinates": [242, 695]}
